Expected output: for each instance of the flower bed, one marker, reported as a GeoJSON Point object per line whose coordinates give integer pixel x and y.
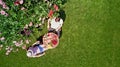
{"type": "Point", "coordinates": [18, 18]}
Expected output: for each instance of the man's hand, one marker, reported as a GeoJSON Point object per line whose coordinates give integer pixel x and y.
{"type": "Point", "coordinates": [48, 27]}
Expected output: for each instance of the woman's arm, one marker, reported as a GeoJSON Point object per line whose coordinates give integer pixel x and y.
{"type": "Point", "coordinates": [40, 54]}
{"type": "Point", "coordinates": [37, 42]}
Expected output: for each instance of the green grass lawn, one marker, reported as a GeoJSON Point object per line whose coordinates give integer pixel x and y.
{"type": "Point", "coordinates": [91, 38]}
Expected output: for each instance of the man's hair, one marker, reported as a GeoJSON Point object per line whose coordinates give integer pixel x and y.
{"type": "Point", "coordinates": [57, 19]}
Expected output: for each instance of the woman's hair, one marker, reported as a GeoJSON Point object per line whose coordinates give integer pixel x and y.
{"type": "Point", "coordinates": [28, 47]}
{"type": "Point", "coordinates": [40, 39]}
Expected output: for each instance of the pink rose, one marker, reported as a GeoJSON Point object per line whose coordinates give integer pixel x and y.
{"type": "Point", "coordinates": [30, 24]}
{"type": "Point", "coordinates": [24, 47]}
{"type": "Point", "coordinates": [6, 14]}
{"type": "Point", "coordinates": [27, 41]}
{"type": "Point", "coordinates": [18, 44]}
{"type": "Point", "coordinates": [4, 6]}
{"type": "Point", "coordinates": [2, 38]}
{"type": "Point", "coordinates": [2, 12]}
{"type": "Point", "coordinates": [23, 8]}
{"type": "Point", "coordinates": [21, 1]}
{"type": "Point", "coordinates": [1, 2]}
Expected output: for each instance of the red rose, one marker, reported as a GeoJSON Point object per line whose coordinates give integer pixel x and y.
{"type": "Point", "coordinates": [16, 3]}
{"type": "Point", "coordinates": [50, 13]}
{"type": "Point", "coordinates": [55, 7]}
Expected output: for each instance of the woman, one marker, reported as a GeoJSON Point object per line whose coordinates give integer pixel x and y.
{"type": "Point", "coordinates": [36, 50]}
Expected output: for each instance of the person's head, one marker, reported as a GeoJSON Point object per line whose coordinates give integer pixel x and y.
{"type": "Point", "coordinates": [29, 53]}
{"type": "Point", "coordinates": [57, 19]}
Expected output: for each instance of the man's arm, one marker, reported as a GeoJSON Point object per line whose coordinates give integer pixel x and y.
{"type": "Point", "coordinates": [48, 24]}
{"type": "Point", "coordinates": [59, 27]}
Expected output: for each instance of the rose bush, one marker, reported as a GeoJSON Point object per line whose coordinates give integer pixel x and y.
{"type": "Point", "coordinates": [18, 18]}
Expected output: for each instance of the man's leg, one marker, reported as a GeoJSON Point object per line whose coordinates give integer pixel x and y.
{"type": "Point", "coordinates": [59, 33]}
{"type": "Point", "coordinates": [51, 30]}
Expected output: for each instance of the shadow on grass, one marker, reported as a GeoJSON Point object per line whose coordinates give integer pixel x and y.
{"type": "Point", "coordinates": [63, 16]}
{"type": "Point", "coordinates": [40, 39]}
{"type": "Point", "coordinates": [64, 1]}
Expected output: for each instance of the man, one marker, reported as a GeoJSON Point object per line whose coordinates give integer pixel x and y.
{"type": "Point", "coordinates": [55, 24]}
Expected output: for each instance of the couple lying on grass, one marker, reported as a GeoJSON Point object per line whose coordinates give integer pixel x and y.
{"type": "Point", "coordinates": [38, 49]}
